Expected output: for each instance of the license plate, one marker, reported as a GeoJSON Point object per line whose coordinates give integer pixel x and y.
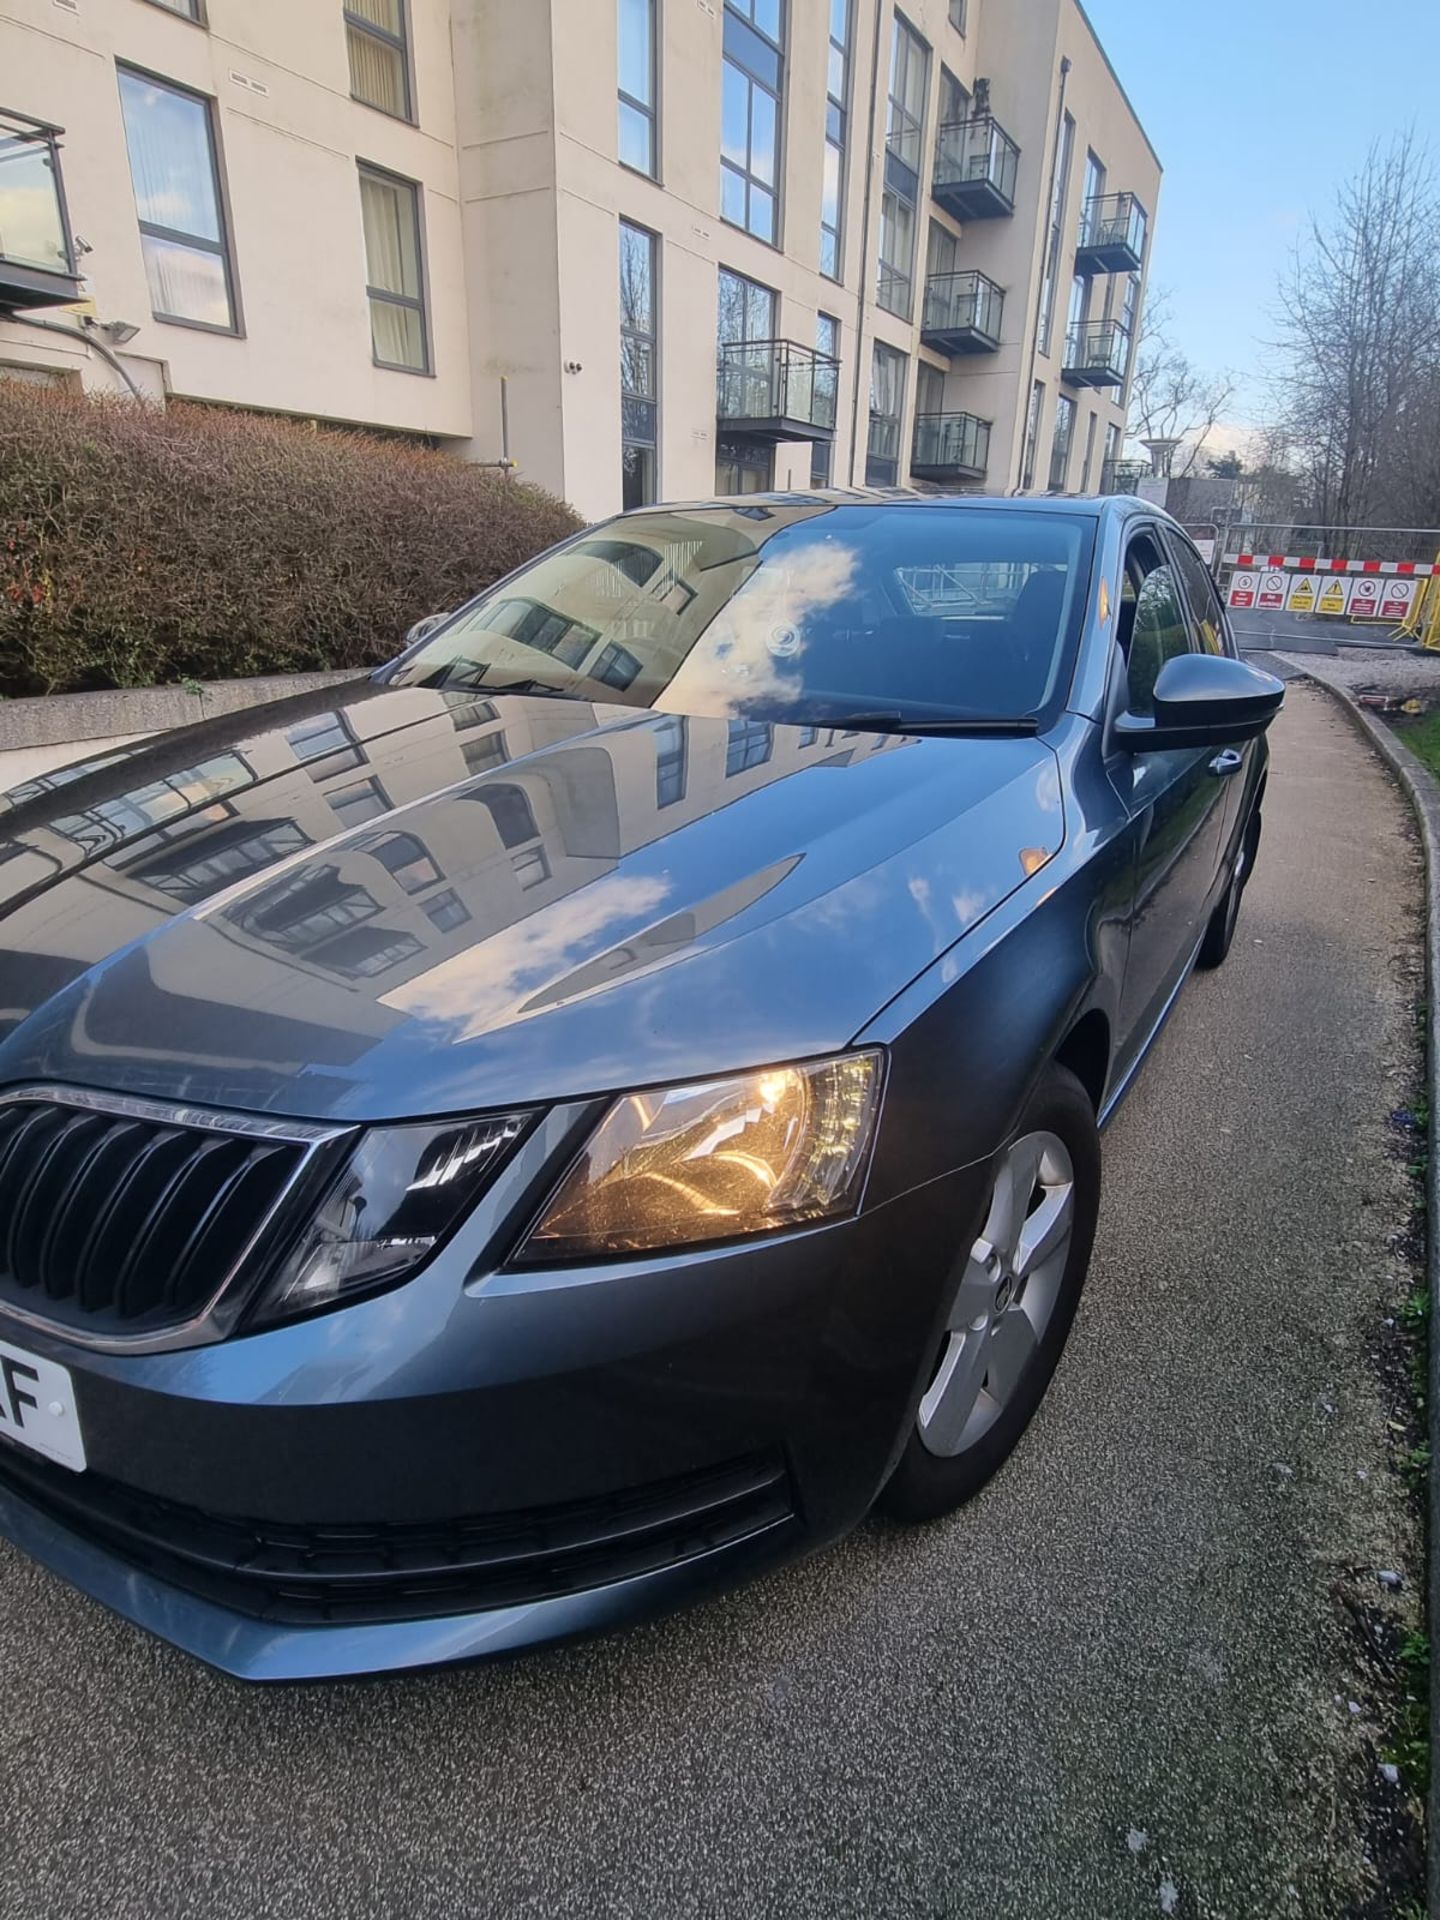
{"type": "Point", "coordinates": [37, 1407]}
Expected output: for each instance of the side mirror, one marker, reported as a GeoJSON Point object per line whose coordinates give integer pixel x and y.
{"type": "Point", "coordinates": [422, 629]}
{"type": "Point", "coordinates": [1203, 700]}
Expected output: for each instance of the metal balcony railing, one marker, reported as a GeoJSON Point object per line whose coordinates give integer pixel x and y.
{"type": "Point", "coordinates": [950, 446]}
{"type": "Point", "coordinates": [37, 254]}
{"type": "Point", "coordinates": [976, 164]}
{"type": "Point", "coordinates": [962, 313]}
{"type": "Point", "coordinates": [776, 390]}
{"type": "Point", "coordinates": [1122, 476]}
{"type": "Point", "coordinates": [1096, 354]}
{"type": "Point", "coordinates": [1112, 235]}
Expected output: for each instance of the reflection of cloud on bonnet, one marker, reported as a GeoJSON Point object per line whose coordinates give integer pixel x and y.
{"type": "Point", "coordinates": [743, 655]}
{"type": "Point", "coordinates": [485, 986]}
{"type": "Point", "coordinates": [666, 940]}
{"type": "Point", "coordinates": [1047, 788]}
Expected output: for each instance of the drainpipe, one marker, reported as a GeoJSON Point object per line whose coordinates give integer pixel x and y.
{"type": "Point", "coordinates": [865, 244]}
{"type": "Point", "coordinates": [1040, 280]}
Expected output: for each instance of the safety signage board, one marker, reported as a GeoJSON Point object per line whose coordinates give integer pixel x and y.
{"type": "Point", "coordinates": [1243, 588]}
{"type": "Point", "coordinates": [1365, 597]}
{"type": "Point", "coordinates": [1205, 547]}
{"type": "Point", "coordinates": [1272, 591]}
{"type": "Point", "coordinates": [1300, 596]}
{"type": "Point", "coordinates": [1398, 598]}
{"type": "Point", "coordinates": [1333, 596]}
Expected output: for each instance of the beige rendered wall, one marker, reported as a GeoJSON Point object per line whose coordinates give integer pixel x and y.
{"type": "Point", "coordinates": [289, 164]}
{"type": "Point", "coordinates": [515, 152]}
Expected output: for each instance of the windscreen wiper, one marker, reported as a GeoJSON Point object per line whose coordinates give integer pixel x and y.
{"type": "Point", "coordinates": [892, 721]}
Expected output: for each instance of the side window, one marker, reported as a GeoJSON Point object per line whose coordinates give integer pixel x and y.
{"type": "Point", "coordinates": [1200, 592]}
{"type": "Point", "coordinates": [1153, 626]}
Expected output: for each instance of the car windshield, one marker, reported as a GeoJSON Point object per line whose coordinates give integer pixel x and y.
{"type": "Point", "coordinates": [800, 611]}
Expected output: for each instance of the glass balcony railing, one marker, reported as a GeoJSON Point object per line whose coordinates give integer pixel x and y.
{"type": "Point", "coordinates": [776, 390]}
{"type": "Point", "coordinates": [976, 163]}
{"type": "Point", "coordinates": [950, 446]}
{"type": "Point", "coordinates": [1096, 354]}
{"type": "Point", "coordinates": [1122, 476]}
{"type": "Point", "coordinates": [37, 254]}
{"type": "Point", "coordinates": [1112, 235]}
{"type": "Point", "coordinates": [962, 313]}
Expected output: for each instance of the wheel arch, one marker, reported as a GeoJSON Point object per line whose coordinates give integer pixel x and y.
{"type": "Point", "coordinates": [1085, 1051]}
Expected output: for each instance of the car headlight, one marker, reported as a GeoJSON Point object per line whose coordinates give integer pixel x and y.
{"type": "Point", "coordinates": [402, 1192]}
{"type": "Point", "coordinates": [710, 1161]}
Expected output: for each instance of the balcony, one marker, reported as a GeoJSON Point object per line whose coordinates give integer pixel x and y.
{"type": "Point", "coordinates": [962, 313]}
{"type": "Point", "coordinates": [1112, 235]}
{"type": "Point", "coordinates": [37, 255]}
{"type": "Point", "coordinates": [976, 162]}
{"type": "Point", "coordinates": [1096, 354]}
{"type": "Point", "coordinates": [949, 447]}
{"type": "Point", "coordinates": [1122, 476]}
{"type": "Point", "coordinates": [776, 390]}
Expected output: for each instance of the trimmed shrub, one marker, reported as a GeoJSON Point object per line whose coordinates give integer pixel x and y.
{"type": "Point", "coordinates": [141, 546]}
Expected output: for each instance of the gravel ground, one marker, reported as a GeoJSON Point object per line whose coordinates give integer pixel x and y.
{"type": "Point", "coordinates": [1373, 670]}
{"type": "Point", "coordinates": [1119, 1684]}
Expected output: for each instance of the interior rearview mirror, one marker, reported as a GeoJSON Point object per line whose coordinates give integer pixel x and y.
{"type": "Point", "coordinates": [1203, 700]}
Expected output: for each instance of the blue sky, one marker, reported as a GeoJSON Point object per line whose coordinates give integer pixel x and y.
{"type": "Point", "coordinates": [1259, 111]}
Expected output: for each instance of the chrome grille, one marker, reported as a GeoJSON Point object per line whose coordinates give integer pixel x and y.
{"type": "Point", "coordinates": [120, 1219]}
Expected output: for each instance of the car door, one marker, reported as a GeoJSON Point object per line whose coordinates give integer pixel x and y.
{"type": "Point", "coordinates": [1213, 632]}
{"type": "Point", "coordinates": [1176, 800]}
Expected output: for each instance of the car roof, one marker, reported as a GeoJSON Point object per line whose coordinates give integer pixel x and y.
{"type": "Point", "coordinates": [1091, 506]}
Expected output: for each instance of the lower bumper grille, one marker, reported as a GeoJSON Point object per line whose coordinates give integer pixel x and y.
{"type": "Point", "coordinates": [318, 1575]}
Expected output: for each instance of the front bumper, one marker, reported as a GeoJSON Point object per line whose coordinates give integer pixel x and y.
{"type": "Point", "coordinates": [480, 1461]}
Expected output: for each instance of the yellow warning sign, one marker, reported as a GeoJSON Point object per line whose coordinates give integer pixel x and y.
{"type": "Point", "coordinates": [1301, 597]}
{"type": "Point", "coordinates": [1334, 597]}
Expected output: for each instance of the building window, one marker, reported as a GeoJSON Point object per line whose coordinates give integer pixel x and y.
{"type": "Point", "coordinates": [904, 130]}
{"type": "Point", "coordinates": [352, 806]}
{"type": "Point", "coordinates": [750, 116]}
{"type": "Point", "coordinates": [639, 147]}
{"type": "Point", "coordinates": [639, 437]}
{"type": "Point", "coordinates": [376, 41]}
{"type": "Point", "coordinates": [406, 860]}
{"type": "Point", "coordinates": [743, 466]}
{"type": "Point", "coordinates": [745, 362]}
{"type": "Point", "coordinates": [748, 746]}
{"type": "Point", "coordinates": [1058, 195]}
{"type": "Point", "coordinates": [446, 911]}
{"type": "Point", "coordinates": [887, 404]}
{"type": "Point", "coordinates": [827, 340]}
{"type": "Point", "coordinates": [669, 731]}
{"type": "Point", "coordinates": [530, 868]}
{"type": "Point", "coordinates": [1112, 455]}
{"type": "Point", "coordinates": [1079, 300]}
{"type": "Point", "coordinates": [1129, 320]}
{"type": "Point", "coordinates": [895, 288]}
{"type": "Point", "coordinates": [954, 100]}
{"type": "Point", "coordinates": [174, 170]}
{"type": "Point", "coordinates": [832, 187]}
{"type": "Point", "coordinates": [957, 15]}
{"type": "Point", "coordinates": [1087, 472]}
{"type": "Point", "coordinates": [1061, 441]}
{"type": "Point", "coordinates": [1094, 188]}
{"type": "Point", "coordinates": [1032, 435]}
{"type": "Point", "coordinates": [394, 272]}
{"type": "Point", "coordinates": [187, 9]}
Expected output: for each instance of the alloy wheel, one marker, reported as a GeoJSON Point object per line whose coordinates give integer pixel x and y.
{"type": "Point", "coordinates": [1006, 1295]}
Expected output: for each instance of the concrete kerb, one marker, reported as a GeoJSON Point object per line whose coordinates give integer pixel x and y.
{"type": "Point", "coordinates": [1423, 792]}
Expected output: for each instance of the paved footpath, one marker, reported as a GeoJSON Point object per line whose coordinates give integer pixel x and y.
{"type": "Point", "coordinates": [1109, 1688]}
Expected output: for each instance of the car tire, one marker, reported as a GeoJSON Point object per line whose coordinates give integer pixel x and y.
{"type": "Point", "coordinates": [1013, 1297]}
{"type": "Point", "coordinates": [1220, 933]}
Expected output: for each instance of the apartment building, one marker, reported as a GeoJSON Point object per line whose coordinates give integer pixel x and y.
{"type": "Point", "coordinates": [646, 249]}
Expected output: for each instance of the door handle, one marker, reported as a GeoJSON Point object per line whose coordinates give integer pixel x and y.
{"type": "Point", "coordinates": [1230, 761]}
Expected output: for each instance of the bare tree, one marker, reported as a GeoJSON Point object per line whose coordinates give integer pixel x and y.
{"type": "Point", "coordinates": [1358, 388]}
{"type": "Point", "coordinates": [1170, 397]}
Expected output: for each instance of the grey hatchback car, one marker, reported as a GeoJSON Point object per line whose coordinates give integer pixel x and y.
{"type": "Point", "coordinates": [577, 1118]}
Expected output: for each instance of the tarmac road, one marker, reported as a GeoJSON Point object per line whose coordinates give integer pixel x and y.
{"type": "Point", "coordinates": [1116, 1685]}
